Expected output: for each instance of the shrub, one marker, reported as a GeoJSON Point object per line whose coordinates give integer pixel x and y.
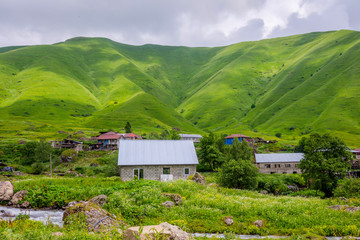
{"type": "Point", "coordinates": [349, 188]}
{"type": "Point", "coordinates": [37, 168]}
{"type": "Point", "coordinates": [69, 155]}
{"type": "Point", "coordinates": [239, 174]}
{"type": "Point", "coordinates": [278, 135]}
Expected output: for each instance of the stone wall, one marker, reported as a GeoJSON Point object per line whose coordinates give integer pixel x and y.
{"type": "Point", "coordinates": [283, 168]}
{"type": "Point", "coordinates": [154, 172]}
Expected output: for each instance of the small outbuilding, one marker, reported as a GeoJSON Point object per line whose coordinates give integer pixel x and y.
{"type": "Point", "coordinates": [157, 159]}
{"type": "Point", "coordinates": [193, 137]}
{"type": "Point", "coordinates": [278, 162]}
{"type": "Point", "coordinates": [229, 139]}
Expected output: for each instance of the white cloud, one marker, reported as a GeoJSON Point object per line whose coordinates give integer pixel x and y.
{"type": "Point", "coordinates": [170, 22]}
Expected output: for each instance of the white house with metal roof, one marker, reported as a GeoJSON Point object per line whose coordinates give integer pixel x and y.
{"type": "Point", "coordinates": [278, 162]}
{"type": "Point", "coordinates": [193, 137]}
{"type": "Point", "coordinates": [157, 159]}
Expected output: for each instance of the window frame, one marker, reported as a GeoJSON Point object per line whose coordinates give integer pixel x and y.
{"type": "Point", "coordinates": [140, 173]}
{"type": "Point", "coordinates": [165, 171]}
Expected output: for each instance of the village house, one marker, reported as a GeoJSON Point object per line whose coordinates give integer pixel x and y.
{"type": "Point", "coordinates": [67, 144]}
{"type": "Point", "coordinates": [193, 137]}
{"type": "Point", "coordinates": [157, 159]}
{"type": "Point", "coordinates": [229, 139]}
{"type": "Point", "coordinates": [278, 162]}
{"type": "Point", "coordinates": [110, 140]}
{"type": "Point", "coordinates": [356, 153]}
{"type": "Point", "coordinates": [355, 163]}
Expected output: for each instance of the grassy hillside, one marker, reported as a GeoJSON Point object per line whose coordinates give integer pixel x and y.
{"type": "Point", "coordinates": [292, 85]}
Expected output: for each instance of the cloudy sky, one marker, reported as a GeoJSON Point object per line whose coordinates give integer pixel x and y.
{"type": "Point", "coordinates": [171, 22]}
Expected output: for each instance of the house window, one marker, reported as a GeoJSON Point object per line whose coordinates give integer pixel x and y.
{"type": "Point", "coordinates": [138, 173]}
{"type": "Point", "coordinates": [187, 171]}
{"type": "Point", "coordinates": [288, 165]}
{"type": "Point", "coordinates": [267, 165]}
{"type": "Point", "coordinates": [277, 165]}
{"type": "Point", "coordinates": [166, 170]}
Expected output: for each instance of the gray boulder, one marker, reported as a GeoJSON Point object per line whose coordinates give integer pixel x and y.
{"type": "Point", "coordinates": [229, 220]}
{"type": "Point", "coordinates": [18, 196]}
{"type": "Point", "coordinates": [6, 190]}
{"type": "Point", "coordinates": [199, 178]}
{"type": "Point", "coordinates": [175, 197]}
{"type": "Point", "coordinates": [259, 223]}
{"type": "Point", "coordinates": [97, 219]}
{"type": "Point", "coordinates": [162, 231]}
{"type": "Point", "coordinates": [18, 173]}
{"type": "Point", "coordinates": [25, 204]}
{"type": "Point", "coordinates": [168, 204]}
{"type": "Point", "coordinates": [99, 200]}
{"type": "Point", "coordinates": [346, 208]}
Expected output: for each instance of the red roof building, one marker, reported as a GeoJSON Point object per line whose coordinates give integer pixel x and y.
{"type": "Point", "coordinates": [237, 136]}
{"type": "Point", "coordinates": [229, 139]}
{"type": "Point", "coordinates": [110, 140]}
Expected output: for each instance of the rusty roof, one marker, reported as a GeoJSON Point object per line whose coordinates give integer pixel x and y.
{"type": "Point", "coordinates": [237, 136]}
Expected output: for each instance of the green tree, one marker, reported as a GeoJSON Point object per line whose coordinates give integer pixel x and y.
{"type": "Point", "coordinates": [239, 171]}
{"type": "Point", "coordinates": [174, 135]}
{"type": "Point", "coordinates": [128, 127]}
{"type": "Point", "coordinates": [326, 160]}
{"type": "Point", "coordinates": [238, 174]}
{"type": "Point", "coordinates": [154, 135]}
{"type": "Point", "coordinates": [209, 152]}
{"type": "Point", "coordinates": [42, 151]}
{"type": "Point", "coordinates": [241, 150]}
{"type": "Point", "coordinates": [27, 151]}
{"type": "Point", "coordinates": [164, 134]}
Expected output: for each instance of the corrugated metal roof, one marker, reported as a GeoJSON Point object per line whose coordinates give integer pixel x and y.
{"type": "Point", "coordinates": [278, 157]}
{"type": "Point", "coordinates": [109, 136]}
{"type": "Point", "coordinates": [190, 135]}
{"type": "Point", "coordinates": [156, 152]}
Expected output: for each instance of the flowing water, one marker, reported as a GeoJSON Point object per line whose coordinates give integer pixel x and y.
{"type": "Point", "coordinates": [45, 216]}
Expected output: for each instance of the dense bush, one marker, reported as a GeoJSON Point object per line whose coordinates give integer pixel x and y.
{"type": "Point", "coordinates": [240, 174]}
{"type": "Point", "coordinates": [69, 154]}
{"type": "Point", "coordinates": [349, 188]}
{"type": "Point", "coordinates": [37, 168]}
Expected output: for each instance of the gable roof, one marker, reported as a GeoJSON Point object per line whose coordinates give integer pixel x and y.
{"type": "Point", "coordinates": [156, 152]}
{"type": "Point", "coordinates": [131, 135]}
{"type": "Point", "coordinates": [237, 136]}
{"type": "Point", "coordinates": [109, 135]}
{"type": "Point", "coordinates": [278, 157]}
{"type": "Point", "coordinates": [190, 135]}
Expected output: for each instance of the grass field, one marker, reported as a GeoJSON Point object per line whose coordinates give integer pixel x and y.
{"type": "Point", "coordinates": [139, 203]}
{"type": "Point", "coordinates": [292, 85]}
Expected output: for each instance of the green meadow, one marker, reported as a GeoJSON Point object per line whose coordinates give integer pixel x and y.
{"type": "Point", "coordinates": [139, 203]}
{"type": "Point", "coordinates": [292, 85]}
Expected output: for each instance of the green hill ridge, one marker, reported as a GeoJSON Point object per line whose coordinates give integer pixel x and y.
{"type": "Point", "coordinates": [292, 85]}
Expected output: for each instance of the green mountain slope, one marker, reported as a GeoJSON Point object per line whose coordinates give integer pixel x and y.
{"type": "Point", "coordinates": [292, 85]}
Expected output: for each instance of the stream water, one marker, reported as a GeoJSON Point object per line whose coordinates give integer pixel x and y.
{"type": "Point", "coordinates": [45, 216]}
{"type": "Point", "coordinates": [220, 235]}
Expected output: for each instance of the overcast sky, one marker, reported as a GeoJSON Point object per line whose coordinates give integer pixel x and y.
{"type": "Point", "coordinates": [171, 22]}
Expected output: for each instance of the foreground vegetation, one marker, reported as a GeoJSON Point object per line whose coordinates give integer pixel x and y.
{"type": "Point", "coordinates": [139, 203]}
